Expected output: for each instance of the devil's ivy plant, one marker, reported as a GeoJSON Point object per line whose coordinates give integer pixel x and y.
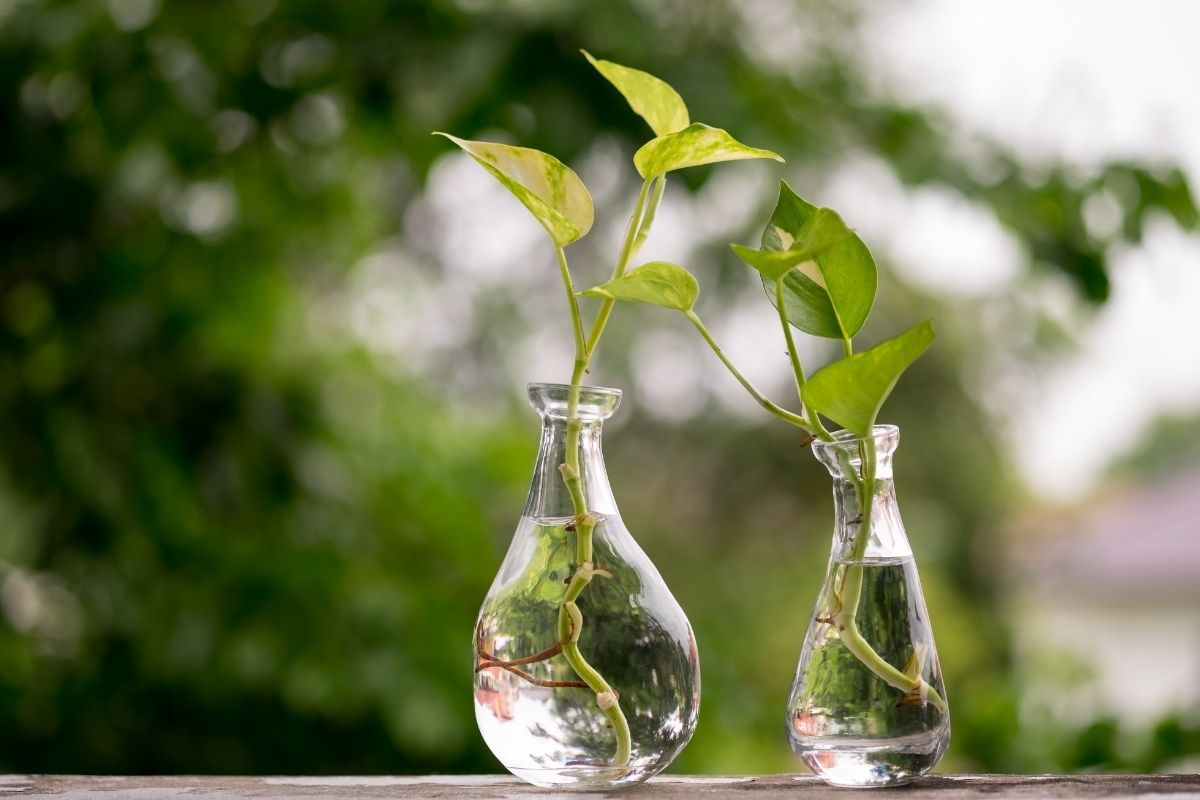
{"type": "Point", "coordinates": [822, 280]}
{"type": "Point", "coordinates": [558, 200]}
{"type": "Point", "coordinates": [817, 272]}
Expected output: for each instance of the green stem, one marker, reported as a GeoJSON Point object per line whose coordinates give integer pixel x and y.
{"type": "Point", "coordinates": [632, 232]}
{"type": "Point", "coordinates": [572, 303]}
{"type": "Point", "coordinates": [852, 582]}
{"type": "Point", "coordinates": [651, 210]}
{"type": "Point", "coordinates": [570, 619]}
{"type": "Point", "coordinates": [797, 370]}
{"type": "Point", "coordinates": [822, 432]}
{"type": "Point", "coordinates": [762, 400]}
{"type": "Point", "coordinates": [814, 421]}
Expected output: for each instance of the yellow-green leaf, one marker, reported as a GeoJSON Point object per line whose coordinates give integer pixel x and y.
{"type": "Point", "coordinates": [553, 193]}
{"type": "Point", "coordinates": [659, 283]}
{"type": "Point", "coordinates": [653, 99]}
{"type": "Point", "coordinates": [694, 145]}
{"type": "Point", "coordinates": [851, 391]}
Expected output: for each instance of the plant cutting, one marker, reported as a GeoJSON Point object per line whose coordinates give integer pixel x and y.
{"type": "Point", "coordinates": [586, 671]}
{"type": "Point", "coordinates": [868, 705]}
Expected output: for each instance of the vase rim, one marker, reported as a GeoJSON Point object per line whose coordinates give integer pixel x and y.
{"type": "Point", "coordinates": [596, 403]}
{"type": "Point", "coordinates": [881, 433]}
{"type": "Point", "coordinates": [566, 387]}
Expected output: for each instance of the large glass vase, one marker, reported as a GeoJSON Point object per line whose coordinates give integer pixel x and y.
{"type": "Point", "coordinates": [586, 670]}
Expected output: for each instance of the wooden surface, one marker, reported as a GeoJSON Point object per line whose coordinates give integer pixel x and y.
{"type": "Point", "coordinates": [766, 787]}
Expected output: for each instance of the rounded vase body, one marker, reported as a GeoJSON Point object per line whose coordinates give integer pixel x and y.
{"type": "Point", "coordinates": [868, 705]}
{"type": "Point", "coordinates": [586, 669]}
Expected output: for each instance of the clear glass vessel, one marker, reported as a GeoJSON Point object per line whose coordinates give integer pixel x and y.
{"type": "Point", "coordinates": [586, 670]}
{"type": "Point", "coordinates": [868, 706]}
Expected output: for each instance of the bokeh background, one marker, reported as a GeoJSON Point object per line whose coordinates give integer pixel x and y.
{"type": "Point", "coordinates": [263, 344]}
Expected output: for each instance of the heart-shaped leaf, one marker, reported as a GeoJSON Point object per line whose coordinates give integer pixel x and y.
{"type": "Point", "coordinates": [834, 295]}
{"type": "Point", "coordinates": [660, 283]}
{"type": "Point", "coordinates": [653, 99]}
{"type": "Point", "coordinates": [822, 230]}
{"type": "Point", "coordinates": [851, 391]}
{"type": "Point", "coordinates": [694, 145]}
{"type": "Point", "coordinates": [553, 193]}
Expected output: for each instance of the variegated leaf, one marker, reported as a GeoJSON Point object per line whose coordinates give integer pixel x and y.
{"type": "Point", "coordinates": [659, 283]}
{"type": "Point", "coordinates": [653, 99]}
{"type": "Point", "coordinates": [552, 192]}
{"type": "Point", "coordinates": [694, 145]}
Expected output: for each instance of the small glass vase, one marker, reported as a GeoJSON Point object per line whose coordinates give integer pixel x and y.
{"type": "Point", "coordinates": [586, 669]}
{"type": "Point", "coordinates": [868, 706]}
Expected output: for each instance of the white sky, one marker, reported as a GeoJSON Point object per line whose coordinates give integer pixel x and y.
{"type": "Point", "coordinates": [1081, 80]}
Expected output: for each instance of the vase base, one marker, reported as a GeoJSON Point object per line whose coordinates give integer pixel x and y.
{"type": "Point", "coordinates": [866, 763]}
{"type": "Point", "coordinates": [585, 779]}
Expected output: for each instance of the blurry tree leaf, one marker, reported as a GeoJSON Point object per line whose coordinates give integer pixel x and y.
{"type": "Point", "coordinates": [659, 283]}
{"type": "Point", "coordinates": [694, 145]}
{"type": "Point", "coordinates": [551, 191]}
{"type": "Point", "coordinates": [851, 391]}
{"type": "Point", "coordinates": [832, 295]}
{"type": "Point", "coordinates": [652, 98]}
{"type": "Point", "coordinates": [822, 230]}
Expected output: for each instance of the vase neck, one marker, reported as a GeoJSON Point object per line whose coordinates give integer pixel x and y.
{"type": "Point", "coordinates": [849, 460]}
{"type": "Point", "coordinates": [549, 496]}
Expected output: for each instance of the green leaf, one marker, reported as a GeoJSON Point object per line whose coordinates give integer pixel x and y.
{"type": "Point", "coordinates": [653, 99]}
{"type": "Point", "coordinates": [851, 391]}
{"type": "Point", "coordinates": [822, 230]}
{"type": "Point", "coordinates": [660, 283]}
{"type": "Point", "coordinates": [832, 295]}
{"type": "Point", "coordinates": [694, 145]}
{"type": "Point", "coordinates": [807, 304]}
{"type": "Point", "coordinates": [553, 193]}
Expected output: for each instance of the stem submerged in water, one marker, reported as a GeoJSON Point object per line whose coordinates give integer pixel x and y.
{"type": "Point", "coordinates": [570, 619]}
{"type": "Point", "coordinates": [846, 617]}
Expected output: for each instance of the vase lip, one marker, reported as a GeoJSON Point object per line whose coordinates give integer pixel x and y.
{"type": "Point", "coordinates": [885, 436]}
{"type": "Point", "coordinates": [552, 400]}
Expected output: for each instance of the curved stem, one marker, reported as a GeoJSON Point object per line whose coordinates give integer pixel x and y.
{"type": "Point", "coordinates": [762, 400]}
{"type": "Point", "coordinates": [570, 619]}
{"type": "Point", "coordinates": [851, 593]}
{"type": "Point", "coordinates": [797, 370]}
{"type": "Point", "coordinates": [814, 421]}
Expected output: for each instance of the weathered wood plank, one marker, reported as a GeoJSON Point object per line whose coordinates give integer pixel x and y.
{"type": "Point", "coordinates": [759, 787]}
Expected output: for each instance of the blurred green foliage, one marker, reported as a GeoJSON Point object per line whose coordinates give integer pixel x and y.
{"type": "Point", "coordinates": [233, 541]}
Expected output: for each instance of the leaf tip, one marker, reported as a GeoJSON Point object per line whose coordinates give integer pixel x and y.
{"type": "Point", "coordinates": [742, 251]}
{"type": "Point", "coordinates": [596, 291]}
{"type": "Point", "coordinates": [591, 59]}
